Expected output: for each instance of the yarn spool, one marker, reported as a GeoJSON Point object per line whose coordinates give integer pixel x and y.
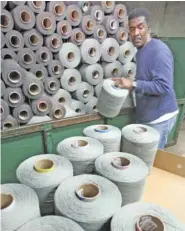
{"type": "Point", "coordinates": [7, 22]}
{"type": "Point", "coordinates": [97, 13]}
{"type": "Point", "coordinates": [9, 123]}
{"type": "Point", "coordinates": [45, 23]}
{"type": "Point", "coordinates": [73, 15]}
{"type": "Point", "coordinates": [108, 6]}
{"type": "Point", "coordinates": [23, 113]}
{"type": "Point", "coordinates": [97, 89]}
{"type": "Point", "coordinates": [57, 8]}
{"type": "Point", "coordinates": [129, 70]}
{"type": "Point", "coordinates": [88, 24]}
{"type": "Point", "coordinates": [53, 43]}
{"type": "Point", "coordinates": [100, 33]}
{"type": "Point", "coordinates": [77, 36]}
{"type": "Point", "coordinates": [111, 24]}
{"type": "Point", "coordinates": [64, 29]}
{"type": "Point", "coordinates": [33, 39]}
{"type": "Point", "coordinates": [126, 52]}
{"type": "Point", "coordinates": [91, 106]}
{"type": "Point", "coordinates": [84, 93]}
{"type": "Point", "coordinates": [110, 50]}
{"type": "Point", "coordinates": [62, 96]}
{"type": "Point", "coordinates": [113, 69]}
{"type": "Point", "coordinates": [78, 107]}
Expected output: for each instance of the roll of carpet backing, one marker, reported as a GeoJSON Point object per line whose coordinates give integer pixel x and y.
{"type": "Point", "coordinates": [45, 23]}
{"type": "Point", "coordinates": [64, 29]}
{"type": "Point", "coordinates": [142, 141]}
{"type": "Point", "coordinates": [84, 93]}
{"type": "Point", "coordinates": [5, 110]}
{"type": "Point", "coordinates": [90, 51]}
{"type": "Point", "coordinates": [110, 50]}
{"type": "Point", "coordinates": [108, 6]}
{"type": "Point", "coordinates": [53, 42]}
{"type": "Point", "coordinates": [97, 89]}
{"type": "Point", "coordinates": [26, 58]}
{"type": "Point", "coordinates": [91, 105]}
{"type": "Point", "coordinates": [2, 88]}
{"type": "Point", "coordinates": [84, 6]}
{"type": "Point", "coordinates": [62, 96]}
{"type": "Point", "coordinates": [88, 24]}
{"type": "Point", "coordinates": [22, 113]}
{"type": "Point", "coordinates": [69, 55]}
{"type": "Point", "coordinates": [24, 18]}
{"type": "Point", "coordinates": [111, 99]}
{"type": "Point", "coordinates": [82, 153]}
{"type": "Point", "coordinates": [120, 12]}
{"type": "Point", "coordinates": [129, 70]}
{"type": "Point", "coordinates": [14, 96]}
{"type": "Point", "coordinates": [9, 123]}
{"type": "Point", "coordinates": [55, 68]}
{"type": "Point", "coordinates": [44, 173]}
{"type": "Point", "coordinates": [111, 24]}
{"type": "Point", "coordinates": [56, 222]}
{"type": "Point", "coordinates": [39, 119]}
{"type": "Point", "coordinates": [97, 13]}
{"type": "Point", "coordinates": [125, 170]}
{"type": "Point", "coordinates": [2, 40]}
{"type": "Point", "coordinates": [93, 74]}
{"type": "Point", "coordinates": [7, 22]}
{"type": "Point", "coordinates": [13, 4]}
{"type": "Point", "coordinates": [14, 40]}
{"type": "Point", "coordinates": [41, 106]}
{"type": "Point", "coordinates": [43, 56]}
{"type": "Point", "coordinates": [7, 53]}
{"type": "Point", "coordinates": [57, 111]}
{"type": "Point", "coordinates": [36, 6]}
{"type": "Point", "coordinates": [40, 71]}
{"type": "Point", "coordinates": [73, 15]}
{"type": "Point", "coordinates": [126, 52]}
{"type": "Point", "coordinates": [77, 36]}
{"type": "Point", "coordinates": [114, 69]}
{"type": "Point", "coordinates": [95, 197]}
{"type": "Point", "coordinates": [108, 135]}
{"type": "Point", "coordinates": [16, 198]}
{"type": "Point", "coordinates": [33, 39]}
{"type": "Point", "coordinates": [51, 85]}
{"type": "Point", "coordinates": [57, 8]}
{"type": "Point", "coordinates": [78, 107]}
{"type": "Point", "coordinates": [100, 33]}
{"type": "Point", "coordinates": [121, 35]}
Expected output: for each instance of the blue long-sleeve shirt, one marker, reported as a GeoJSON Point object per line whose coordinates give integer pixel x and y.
{"type": "Point", "coordinates": [155, 95]}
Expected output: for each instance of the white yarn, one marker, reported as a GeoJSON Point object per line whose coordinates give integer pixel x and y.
{"type": "Point", "coordinates": [82, 152]}
{"type": "Point", "coordinates": [62, 96]}
{"type": "Point", "coordinates": [110, 50]}
{"type": "Point", "coordinates": [130, 181]}
{"type": "Point", "coordinates": [91, 105]}
{"type": "Point", "coordinates": [126, 52]}
{"type": "Point", "coordinates": [113, 69]}
{"type": "Point", "coordinates": [78, 107]}
{"type": "Point", "coordinates": [45, 183]}
{"type": "Point", "coordinates": [24, 207]}
{"type": "Point", "coordinates": [98, 88]}
{"type": "Point", "coordinates": [111, 99]}
{"type": "Point", "coordinates": [84, 93]}
{"type": "Point", "coordinates": [142, 141]}
{"type": "Point", "coordinates": [51, 223]}
{"type": "Point", "coordinates": [71, 79]}
{"type": "Point", "coordinates": [125, 219]}
{"type": "Point", "coordinates": [129, 70]}
{"type": "Point", "coordinates": [92, 215]}
{"type": "Point", "coordinates": [108, 135]}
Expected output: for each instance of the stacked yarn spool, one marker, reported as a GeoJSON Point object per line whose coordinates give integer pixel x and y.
{"type": "Point", "coordinates": [49, 46]}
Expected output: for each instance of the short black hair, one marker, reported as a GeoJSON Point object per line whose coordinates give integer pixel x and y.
{"type": "Point", "coordinates": [138, 12]}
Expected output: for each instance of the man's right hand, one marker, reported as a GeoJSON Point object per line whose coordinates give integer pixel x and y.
{"type": "Point", "coordinates": [122, 82]}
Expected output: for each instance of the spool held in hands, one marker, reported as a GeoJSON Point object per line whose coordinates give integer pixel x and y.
{"type": "Point", "coordinates": [88, 192]}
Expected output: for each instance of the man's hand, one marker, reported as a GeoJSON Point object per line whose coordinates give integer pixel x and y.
{"type": "Point", "coordinates": [122, 82]}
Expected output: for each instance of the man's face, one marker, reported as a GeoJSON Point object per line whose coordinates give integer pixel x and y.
{"type": "Point", "coordinates": [139, 31]}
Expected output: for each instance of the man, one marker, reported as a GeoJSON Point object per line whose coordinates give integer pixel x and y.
{"type": "Point", "coordinates": [156, 104]}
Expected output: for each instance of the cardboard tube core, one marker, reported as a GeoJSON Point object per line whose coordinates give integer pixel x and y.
{"type": "Point", "coordinates": [113, 24]}
{"type": "Point", "coordinates": [121, 13]}
{"type": "Point", "coordinates": [37, 4]}
{"type": "Point", "coordinates": [98, 15]}
{"type": "Point", "coordinates": [47, 23]}
{"type": "Point", "coordinates": [130, 73]}
{"type": "Point", "coordinates": [80, 143]}
{"type": "Point", "coordinates": [111, 51]}
{"type": "Point", "coordinates": [127, 53]}
{"type": "Point", "coordinates": [88, 192]}
{"type": "Point", "coordinates": [61, 100]}
{"type": "Point", "coordinates": [42, 106]}
{"type": "Point", "coordinates": [77, 110]}
{"type": "Point", "coordinates": [101, 128]}
{"type": "Point", "coordinates": [92, 51]}
{"type": "Point", "coordinates": [58, 10]}
{"type": "Point", "coordinates": [79, 36]}
{"type": "Point", "coordinates": [43, 166]}
{"type": "Point", "coordinates": [52, 86]}
{"type": "Point", "coordinates": [145, 221]}
{"type": "Point", "coordinates": [95, 74]}
{"type": "Point", "coordinates": [8, 56]}
{"type": "Point", "coordinates": [94, 107]}
{"type": "Point", "coordinates": [74, 15]}
{"type": "Point", "coordinates": [100, 33]}
{"type": "Point", "coordinates": [140, 130]}
{"type": "Point", "coordinates": [55, 43]}
{"type": "Point", "coordinates": [4, 21]}
{"type": "Point", "coordinates": [72, 81]}
{"type": "Point", "coordinates": [23, 115]}
{"type": "Point", "coordinates": [85, 6]}
{"type": "Point", "coordinates": [15, 41]}
{"type": "Point", "coordinates": [14, 97]}
{"type": "Point", "coordinates": [90, 25]}
{"type": "Point", "coordinates": [44, 56]}
{"type": "Point", "coordinates": [58, 113]}
{"type": "Point", "coordinates": [27, 58]}
{"type": "Point", "coordinates": [25, 16]}
{"type": "Point", "coordinates": [2, 110]}
{"type": "Point", "coordinates": [34, 89]}
{"type": "Point", "coordinates": [115, 72]}
{"type": "Point", "coordinates": [64, 29]}
{"type": "Point", "coordinates": [14, 76]}
{"type": "Point", "coordinates": [121, 163]}
{"type": "Point", "coordinates": [108, 4]}
{"type": "Point", "coordinates": [70, 56]}
{"type": "Point", "coordinates": [34, 39]}
{"type": "Point", "coordinates": [123, 36]}
{"type": "Point", "coordinates": [7, 125]}
{"type": "Point", "coordinates": [6, 201]}
{"type": "Point", "coordinates": [86, 93]}
{"type": "Point", "coordinates": [39, 74]}
{"type": "Point", "coordinates": [56, 69]}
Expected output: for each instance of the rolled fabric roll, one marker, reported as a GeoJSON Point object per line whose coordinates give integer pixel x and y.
{"type": "Point", "coordinates": [14, 40]}
{"type": "Point", "coordinates": [44, 173]}
{"type": "Point", "coordinates": [64, 29]}
{"type": "Point", "coordinates": [41, 106]}
{"type": "Point", "coordinates": [45, 23]}
{"type": "Point", "coordinates": [95, 197]}
{"type": "Point", "coordinates": [5, 110]}
{"type": "Point", "coordinates": [56, 222]}
{"type": "Point", "coordinates": [90, 51]}
{"type": "Point", "coordinates": [26, 58]}
{"type": "Point", "coordinates": [82, 153]}
{"type": "Point", "coordinates": [77, 36]}
{"type": "Point", "coordinates": [2, 88]}
{"type": "Point", "coordinates": [129, 70]}
{"type": "Point", "coordinates": [110, 50]}
{"type": "Point", "coordinates": [43, 56]}
{"type": "Point", "coordinates": [108, 6]}
{"type": "Point", "coordinates": [93, 74]}
{"type": "Point", "coordinates": [51, 85]}
{"type": "Point", "coordinates": [16, 198]}
{"type": "Point", "coordinates": [84, 6]}
{"type": "Point", "coordinates": [78, 107]}
{"type": "Point", "coordinates": [13, 4]}
{"type": "Point", "coordinates": [7, 22]}
{"type": "Point", "coordinates": [55, 68]}
{"type": "Point", "coordinates": [62, 96]}
{"type": "Point", "coordinates": [120, 12]}
{"type": "Point", "coordinates": [111, 24]}
{"type": "Point", "coordinates": [3, 4]}
{"type": "Point", "coordinates": [24, 18]}
{"type": "Point", "coordinates": [98, 88]}
{"type": "Point", "coordinates": [14, 96]}
{"type": "Point", "coordinates": [108, 135]}
{"type": "Point", "coordinates": [111, 99]}
{"type": "Point", "coordinates": [128, 217]}
{"type": "Point", "coordinates": [53, 42]}
{"type": "Point", "coordinates": [33, 39]}
{"type": "Point", "coordinates": [113, 69]}
{"type": "Point", "coordinates": [69, 55]}
{"type": "Point", "coordinates": [40, 71]}
{"type": "Point", "coordinates": [125, 170]}
{"type": "Point", "coordinates": [121, 35]}
{"type": "Point", "coordinates": [2, 40]}
{"type": "Point", "coordinates": [126, 52]}
{"type": "Point", "coordinates": [88, 24]}
{"type": "Point", "coordinates": [36, 6]}
{"type": "Point", "coordinates": [57, 8]}
{"type": "Point", "coordinates": [100, 33]}
{"type": "Point", "coordinates": [57, 111]}
{"type": "Point", "coordinates": [73, 15]}
{"type": "Point", "coordinates": [22, 113]}
{"type": "Point", "coordinates": [39, 119]}
{"type": "Point", "coordinates": [7, 53]}
{"type": "Point", "coordinates": [97, 13]}
{"type": "Point", "coordinates": [142, 141]}
{"type": "Point", "coordinates": [9, 123]}
{"type": "Point", "coordinates": [84, 93]}
{"type": "Point", "coordinates": [91, 105]}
